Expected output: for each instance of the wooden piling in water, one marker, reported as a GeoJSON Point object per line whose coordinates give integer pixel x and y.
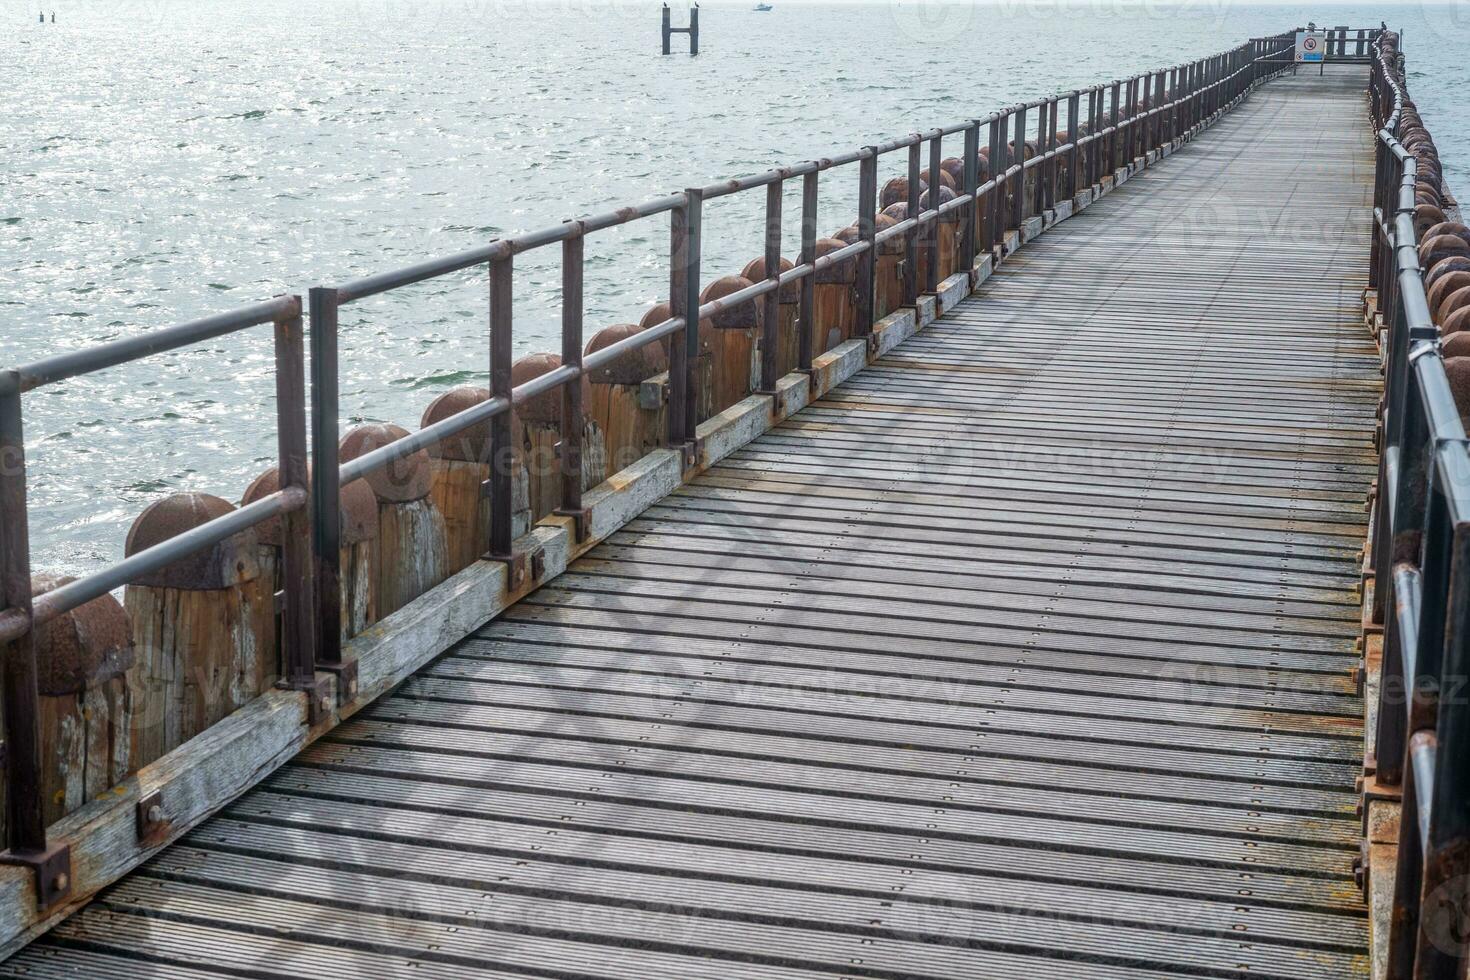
{"type": "Point", "coordinates": [357, 537]}
{"type": "Point", "coordinates": [834, 306]}
{"type": "Point", "coordinates": [729, 369]}
{"type": "Point", "coordinates": [459, 468]}
{"type": "Point", "coordinates": [788, 340]}
{"type": "Point", "coordinates": [536, 432]}
{"type": "Point", "coordinates": [412, 548]}
{"type": "Point", "coordinates": [203, 628]}
{"type": "Point", "coordinates": [85, 706]}
{"type": "Point", "coordinates": [627, 399]}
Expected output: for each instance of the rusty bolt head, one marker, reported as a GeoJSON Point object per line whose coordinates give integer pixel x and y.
{"type": "Point", "coordinates": [1443, 287]}
{"type": "Point", "coordinates": [1456, 322]}
{"type": "Point", "coordinates": [402, 480]}
{"type": "Point", "coordinates": [1456, 345]}
{"type": "Point", "coordinates": [227, 563]}
{"type": "Point", "coordinates": [755, 271]}
{"type": "Point", "coordinates": [1457, 369]}
{"type": "Point", "coordinates": [945, 195]}
{"type": "Point", "coordinates": [90, 645]}
{"type": "Point", "coordinates": [470, 445]}
{"type": "Point", "coordinates": [897, 190]}
{"type": "Point", "coordinates": [1454, 228]}
{"type": "Point", "coordinates": [542, 409]}
{"type": "Point", "coordinates": [745, 316]}
{"type": "Point", "coordinates": [634, 367]}
{"type": "Point", "coordinates": [359, 510]}
{"type": "Point", "coordinates": [1426, 216]}
{"type": "Point", "coordinates": [1453, 303]}
{"type": "Point", "coordinates": [1440, 247]}
{"type": "Point", "coordinates": [844, 271]}
{"type": "Point", "coordinates": [891, 246]}
{"type": "Point", "coordinates": [1455, 263]}
{"type": "Point", "coordinates": [945, 180]}
{"type": "Point", "coordinates": [656, 315]}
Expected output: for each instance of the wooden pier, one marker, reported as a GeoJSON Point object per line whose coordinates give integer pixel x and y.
{"type": "Point", "coordinates": [1024, 581]}
{"type": "Point", "coordinates": [1025, 652]}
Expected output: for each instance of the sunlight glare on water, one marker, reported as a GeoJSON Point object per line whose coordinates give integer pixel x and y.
{"type": "Point", "coordinates": [164, 160]}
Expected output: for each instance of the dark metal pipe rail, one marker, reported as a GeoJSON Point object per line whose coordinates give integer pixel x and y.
{"type": "Point", "coordinates": [1120, 122]}
{"type": "Point", "coordinates": [1421, 551]}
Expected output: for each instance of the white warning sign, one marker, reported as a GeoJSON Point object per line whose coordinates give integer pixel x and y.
{"type": "Point", "coordinates": [1311, 46]}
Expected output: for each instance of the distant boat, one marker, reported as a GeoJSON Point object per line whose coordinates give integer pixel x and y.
{"type": "Point", "coordinates": [762, 7]}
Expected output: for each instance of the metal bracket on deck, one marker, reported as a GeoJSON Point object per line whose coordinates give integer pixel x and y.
{"type": "Point", "coordinates": [346, 673]}
{"type": "Point", "coordinates": [153, 822]}
{"type": "Point", "coordinates": [52, 868]}
{"type": "Point", "coordinates": [581, 520]}
{"type": "Point", "coordinates": [519, 565]}
{"type": "Point", "coordinates": [318, 704]}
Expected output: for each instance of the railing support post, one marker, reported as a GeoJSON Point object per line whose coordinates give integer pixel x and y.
{"type": "Point", "coordinates": [931, 231]}
{"type": "Point", "coordinates": [25, 824]}
{"type": "Point", "coordinates": [972, 183]}
{"type": "Point", "coordinates": [572, 420]}
{"type": "Point", "coordinates": [771, 306]}
{"type": "Point", "coordinates": [502, 447]}
{"type": "Point", "coordinates": [867, 268]}
{"type": "Point", "coordinates": [807, 310]}
{"type": "Point", "coordinates": [326, 511]}
{"type": "Point", "coordinates": [684, 248]}
{"type": "Point", "coordinates": [911, 239]}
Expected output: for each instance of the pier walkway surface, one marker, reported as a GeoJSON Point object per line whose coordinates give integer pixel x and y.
{"type": "Point", "coordinates": [1025, 653]}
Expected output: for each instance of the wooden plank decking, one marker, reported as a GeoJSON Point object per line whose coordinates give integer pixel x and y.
{"type": "Point", "coordinates": [1024, 654]}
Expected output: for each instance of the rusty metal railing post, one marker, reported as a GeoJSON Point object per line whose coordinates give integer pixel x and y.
{"type": "Point", "coordinates": [995, 205]}
{"type": "Point", "coordinates": [1018, 186]}
{"type": "Point", "coordinates": [867, 269]}
{"type": "Point", "coordinates": [326, 515]}
{"type": "Point", "coordinates": [502, 445]}
{"type": "Point", "coordinates": [1074, 156]}
{"type": "Point", "coordinates": [684, 247]}
{"type": "Point", "coordinates": [1115, 138]}
{"type": "Point", "coordinates": [771, 313]}
{"type": "Point", "coordinates": [572, 421]}
{"type": "Point", "coordinates": [807, 310]}
{"type": "Point", "coordinates": [25, 823]}
{"type": "Point", "coordinates": [931, 231]}
{"type": "Point", "coordinates": [298, 624]}
{"type": "Point", "coordinates": [910, 239]}
{"type": "Point", "coordinates": [971, 211]}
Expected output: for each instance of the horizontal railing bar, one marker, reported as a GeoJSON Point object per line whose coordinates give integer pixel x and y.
{"type": "Point", "coordinates": [70, 365]}
{"type": "Point", "coordinates": [1408, 587]}
{"type": "Point", "coordinates": [14, 623]}
{"type": "Point", "coordinates": [1423, 748]}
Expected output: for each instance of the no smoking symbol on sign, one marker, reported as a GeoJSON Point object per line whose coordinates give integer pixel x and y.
{"type": "Point", "coordinates": [1309, 44]}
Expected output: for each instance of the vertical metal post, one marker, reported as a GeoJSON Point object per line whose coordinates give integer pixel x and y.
{"type": "Point", "coordinates": [867, 269]}
{"type": "Point", "coordinates": [25, 828]}
{"type": "Point", "coordinates": [326, 510]}
{"type": "Point", "coordinates": [1115, 138]}
{"type": "Point", "coordinates": [1018, 187]}
{"type": "Point", "coordinates": [1161, 118]}
{"type": "Point", "coordinates": [807, 311]}
{"type": "Point", "coordinates": [502, 447]}
{"type": "Point", "coordinates": [771, 327]}
{"type": "Point", "coordinates": [667, 29]}
{"type": "Point", "coordinates": [694, 30]}
{"type": "Point", "coordinates": [572, 422]}
{"type": "Point", "coordinates": [972, 182]}
{"type": "Point", "coordinates": [910, 240]}
{"type": "Point", "coordinates": [995, 205]}
{"type": "Point", "coordinates": [298, 625]}
{"type": "Point", "coordinates": [1074, 155]}
{"type": "Point", "coordinates": [684, 247]}
{"type": "Point", "coordinates": [25, 824]}
{"type": "Point", "coordinates": [931, 231]}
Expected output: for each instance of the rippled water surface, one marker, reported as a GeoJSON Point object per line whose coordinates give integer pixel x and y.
{"type": "Point", "coordinates": [164, 160]}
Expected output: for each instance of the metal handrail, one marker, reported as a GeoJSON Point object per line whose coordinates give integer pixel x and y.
{"type": "Point", "coordinates": [1421, 551]}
